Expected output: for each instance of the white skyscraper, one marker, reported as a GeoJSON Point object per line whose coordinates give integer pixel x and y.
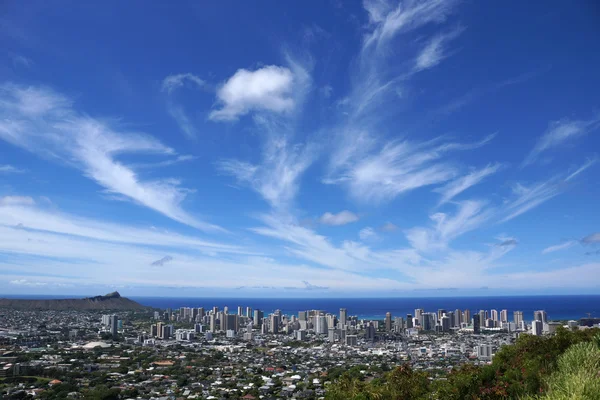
{"type": "Point", "coordinates": [494, 315]}
{"type": "Point", "coordinates": [504, 316]}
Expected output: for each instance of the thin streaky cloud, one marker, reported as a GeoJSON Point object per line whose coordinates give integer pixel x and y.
{"type": "Point", "coordinates": [463, 183]}
{"type": "Point", "coordinates": [435, 50]}
{"type": "Point", "coordinates": [560, 132]}
{"type": "Point", "coordinates": [9, 169]}
{"type": "Point", "coordinates": [559, 247]}
{"type": "Point", "coordinates": [579, 170]}
{"type": "Point", "coordinates": [173, 82]}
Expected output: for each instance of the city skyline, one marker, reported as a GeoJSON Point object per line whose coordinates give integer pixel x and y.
{"type": "Point", "coordinates": [380, 148]}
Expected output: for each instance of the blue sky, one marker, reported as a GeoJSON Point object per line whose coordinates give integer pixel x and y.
{"type": "Point", "coordinates": [300, 149]}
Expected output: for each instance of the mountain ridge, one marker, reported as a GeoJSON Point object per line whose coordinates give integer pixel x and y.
{"type": "Point", "coordinates": [110, 301]}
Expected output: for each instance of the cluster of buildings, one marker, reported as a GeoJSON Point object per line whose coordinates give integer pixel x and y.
{"type": "Point", "coordinates": [198, 353]}
{"type": "Point", "coordinates": [246, 323]}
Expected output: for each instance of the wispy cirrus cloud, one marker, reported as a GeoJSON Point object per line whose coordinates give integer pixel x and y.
{"type": "Point", "coordinates": [435, 50]}
{"type": "Point", "coordinates": [525, 198]}
{"type": "Point", "coordinates": [470, 215]}
{"type": "Point", "coordinates": [170, 85]}
{"type": "Point", "coordinates": [265, 89]}
{"type": "Point", "coordinates": [46, 123]}
{"type": "Point", "coordinates": [558, 247]}
{"type": "Point", "coordinates": [397, 167]}
{"type": "Point", "coordinates": [341, 218]}
{"type": "Point", "coordinates": [558, 133]}
{"type": "Point", "coordinates": [390, 20]}
{"type": "Point", "coordinates": [459, 185]}
{"type": "Point", "coordinates": [9, 169]}
{"type": "Point", "coordinates": [176, 81]}
{"type": "Point", "coordinates": [276, 177]}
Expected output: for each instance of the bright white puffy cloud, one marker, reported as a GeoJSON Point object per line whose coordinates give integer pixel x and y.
{"type": "Point", "coordinates": [265, 89]}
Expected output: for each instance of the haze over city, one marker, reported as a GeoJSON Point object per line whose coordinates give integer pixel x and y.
{"type": "Point", "coordinates": [274, 149]}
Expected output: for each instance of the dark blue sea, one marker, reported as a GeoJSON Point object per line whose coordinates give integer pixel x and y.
{"type": "Point", "coordinates": [561, 307]}
{"type": "Point", "coordinates": [557, 307]}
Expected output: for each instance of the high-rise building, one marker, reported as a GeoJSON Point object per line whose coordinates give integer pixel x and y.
{"type": "Point", "coordinates": [504, 316]}
{"type": "Point", "coordinates": [445, 323]}
{"type": "Point", "coordinates": [483, 315]}
{"type": "Point", "coordinates": [540, 315]}
{"type": "Point", "coordinates": [518, 317]}
{"type": "Point", "coordinates": [226, 310]}
{"type": "Point", "coordinates": [418, 313]}
{"type": "Point", "coordinates": [494, 315]}
{"type": "Point", "coordinates": [343, 316]}
{"type": "Point", "coordinates": [331, 335]}
{"type": "Point", "coordinates": [159, 330]}
{"type": "Point", "coordinates": [370, 332]}
{"type": "Point", "coordinates": [302, 315]}
{"type": "Point", "coordinates": [240, 311]}
{"type": "Point", "coordinates": [398, 324]}
{"type": "Point", "coordinates": [536, 327]}
{"type": "Point", "coordinates": [114, 325]}
{"type": "Point", "coordinates": [457, 318]}
{"type": "Point", "coordinates": [440, 314]}
{"type": "Point", "coordinates": [274, 323]}
{"type": "Point", "coordinates": [249, 312]}
{"type": "Point", "coordinates": [258, 317]}
{"type": "Point", "coordinates": [409, 321]}
{"type": "Point", "coordinates": [215, 310]}
{"type": "Point", "coordinates": [320, 324]}
{"type": "Point", "coordinates": [466, 317]}
{"type": "Point", "coordinates": [476, 324]}
{"type": "Point", "coordinates": [388, 321]}
{"type": "Point", "coordinates": [213, 322]}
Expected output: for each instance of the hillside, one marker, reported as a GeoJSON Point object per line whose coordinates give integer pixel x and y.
{"type": "Point", "coordinates": [111, 301]}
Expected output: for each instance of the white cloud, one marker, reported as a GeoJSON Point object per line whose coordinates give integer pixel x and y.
{"type": "Point", "coordinates": [44, 122]}
{"type": "Point", "coordinates": [265, 89]}
{"type": "Point", "coordinates": [276, 178]}
{"type": "Point", "coordinates": [16, 200]}
{"type": "Point", "coordinates": [461, 184]}
{"type": "Point", "coordinates": [526, 198]}
{"type": "Point", "coordinates": [434, 52]}
{"type": "Point", "coordinates": [173, 82]}
{"type": "Point", "coordinates": [169, 85]}
{"type": "Point", "coordinates": [341, 218]}
{"type": "Point", "coordinates": [471, 214]}
{"type": "Point", "coordinates": [558, 247]}
{"type": "Point", "coordinates": [20, 211]}
{"type": "Point", "coordinates": [398, 167]}
{"type": "Point", "coordinates": [25, 282]}
{"type": "Point", "coordinates": [367, 233]}
{"type": "Point", "coordinates": [406, 16]}
{"type": "Point", "coordinates": [559, 132]}
{"type": "Point", "coordinates": [9, 169]}
{"type": "Point", "coordinates": [579, 170]}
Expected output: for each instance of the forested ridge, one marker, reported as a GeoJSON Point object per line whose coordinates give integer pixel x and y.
{"type": "Point", "coordinates": [559, 367]}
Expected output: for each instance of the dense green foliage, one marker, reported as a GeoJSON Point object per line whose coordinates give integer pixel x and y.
{"type": "Point", "coordinates": [563, 366]}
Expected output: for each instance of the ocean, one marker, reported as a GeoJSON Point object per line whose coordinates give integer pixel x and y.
{"type": "Point", "coordinates": [557, 307]}
{"type": "Point", "coordinates": [563, 307]}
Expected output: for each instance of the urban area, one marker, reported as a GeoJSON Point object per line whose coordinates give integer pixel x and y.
{"type": "Point", "coordinates": [217, 353]}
